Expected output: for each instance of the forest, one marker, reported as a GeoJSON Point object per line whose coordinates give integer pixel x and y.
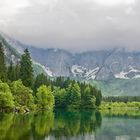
{"type": "Point", "coordinates": [21, 91]}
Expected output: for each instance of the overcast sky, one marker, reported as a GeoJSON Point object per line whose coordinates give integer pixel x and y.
{"type": "Point", "coordinates": [77, 25]}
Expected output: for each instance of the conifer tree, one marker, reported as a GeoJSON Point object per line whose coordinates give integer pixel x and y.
{"type": "Point", "coordinates": [11, 72]}
{"type": "Point", "coordinates": [98, 98]}
{"type": "Point", "coordinates": [3, 75]}
{"type": "Point", "coordinates": [26, 69]}
{"type": "Point", "coordinates": [17, 71]}
{"type": "Point", "coordinates": [41, 79]}
{"type": "Point", "coordinates": [73, 96]}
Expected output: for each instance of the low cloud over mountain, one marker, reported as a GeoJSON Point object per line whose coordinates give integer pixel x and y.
{"type": "Point", "coordinates": [76, 25]}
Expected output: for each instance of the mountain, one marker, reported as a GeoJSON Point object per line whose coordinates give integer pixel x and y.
{"type": "Point", "coordinates": [115, 72]}
{"type": "Point", "coordinates": [119, 87]}
{"type": "Point", "coordinates": [100, 65]}
{"type": "Point", "coordinates": [12, 53]}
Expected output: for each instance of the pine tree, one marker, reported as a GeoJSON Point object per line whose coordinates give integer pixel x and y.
{"type": "Point", "coordinates": [98, 98]}
{"type": "Point", "coordinates": [41, 79]}
{"type": "Point", "coordinates": [88, 100]}
{"type": "Point", "coordinates": [11, 72]}
{"type": "Point", "coordinates": [17, 71]}
{"type": "Point", "coordinates": [3, 75]}
{"type": "Point", "coordinates": [26, 69]}
{"type": "Point", "coordinates": [73, 96]}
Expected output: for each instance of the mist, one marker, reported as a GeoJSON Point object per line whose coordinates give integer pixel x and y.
{"type": "Point", "coordinates": [75, 25]}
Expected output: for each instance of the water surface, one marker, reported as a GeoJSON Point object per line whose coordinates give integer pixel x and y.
{"type": "Point", "coordinates": [69, 125]}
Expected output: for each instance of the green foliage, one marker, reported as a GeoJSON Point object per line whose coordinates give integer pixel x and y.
{"type": "Point", "coordinates": [6, 98]}
{"type": "Point", "coordinates": [11, 72]}
{"type": "Point", "coordinates": [88, 100]}
{"type": "Point", "coordinates": [98, 98]}
{"type": "Point", "coordinates": [26, 69]}
{"type": "Point", "coordinates": [60, 97]}
{"type": "Point", "coordinates": [120, 105]}
{"type": "Point", "coordinates": [121, 99]}
{"type": "Point", "coordinates": [73, 97]}
{"type": "Point", "coordinates": [17, 71]}
{"type": "Point", "coordinates": [3, 74]}
{"type": "Point", "coordinates": [41, 79]}
{"type": "Point", "coordinates": [73, 94]}
{"type": "Point", "coordinates": [22, 95]}
{"type": "Point", "coordinates": [63, 92]}
{"type": "Point", "coordinates": [44, 97]}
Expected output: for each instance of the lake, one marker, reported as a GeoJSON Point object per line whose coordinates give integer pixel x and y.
{"type": "Point", "coordinates": [69, 125]}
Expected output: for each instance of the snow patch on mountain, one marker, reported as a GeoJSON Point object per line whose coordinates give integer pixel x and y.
{"type": "Point", "coordinates": [131, 74]}
{"type": "Point", "coordinates": [121, 75]}
{"type": "Point", "coordinates": [78, 70]}
{"type": "Point", "coordinates": [46, 70]}
{"type": "Point", "coordinates": [83, 72]}
{"type": "Point", "coordinates": [91, 74]}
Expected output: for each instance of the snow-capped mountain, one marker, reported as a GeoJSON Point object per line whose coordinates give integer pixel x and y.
{"type": "Point", "coordinates": [84, 73]}
{"type": "Point", "coordinates": [100, 65]}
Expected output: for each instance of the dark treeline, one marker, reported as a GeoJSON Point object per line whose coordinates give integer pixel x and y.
{"type": "Point", "coordinates": [121, 99]}
{"type": "Point", "coordinates": [19, 88]}
{"type": "Point", "coordinates": [70, 93]}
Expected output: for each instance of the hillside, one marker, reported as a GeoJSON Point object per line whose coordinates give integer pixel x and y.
{"type": "Point", "coordinates": [12, 53]}
{"type": "Point", "coordinates": [115, 72]}
{"type": "Point", "coordinates": [100, 65]}
{"type": "Point", "coordinates": [119, 87]}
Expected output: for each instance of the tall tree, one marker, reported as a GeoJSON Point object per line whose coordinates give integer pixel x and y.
{"type": "Point", "coordinates": [3, 75]}
{"type": "Point", "coordinates": [73, 96]}
{"type": "Point", "coordinates": [11, 74]}
{"type": "Point", "coordinates": [26, 69]}
{"type": "Point", "coordinates": [98, 98]}
{"type": "Point", "coordinates": [88, 100]}
{"type": "Point", "coordinates": [17, 71]}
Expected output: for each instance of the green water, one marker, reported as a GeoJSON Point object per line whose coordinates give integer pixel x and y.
{"type": "Point", "coordinates": [68, 125]}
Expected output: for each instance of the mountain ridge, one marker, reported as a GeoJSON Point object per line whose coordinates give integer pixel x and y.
{"type": "Point", "coordinates": [115, 63]}
{"type": "Point", "coordinates": [118, 70]}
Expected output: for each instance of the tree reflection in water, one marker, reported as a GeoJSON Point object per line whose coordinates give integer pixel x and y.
{"type": "Point", "coordinates": [69, 125]}
{"type": "Point", "coordinates": [39, 125]}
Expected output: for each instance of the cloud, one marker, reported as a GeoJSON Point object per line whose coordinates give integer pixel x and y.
{"type": "Point", "coordinates": [73, 24]}
{"type": "Point", "coordinates": [8, 7]}
{"type": "Point", "coordinates": [129, 11]}
{"type": "Point", "coordinates": [115, 2]}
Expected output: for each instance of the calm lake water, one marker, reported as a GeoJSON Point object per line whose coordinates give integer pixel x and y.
{"type": "Point", "coordinates": [68, 125]}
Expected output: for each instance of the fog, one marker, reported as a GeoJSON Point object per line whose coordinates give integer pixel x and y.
{"type": "Point", "coordinates": [75, 25]}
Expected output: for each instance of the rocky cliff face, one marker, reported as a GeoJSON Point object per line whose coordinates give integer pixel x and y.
{"type": "Point", "coordinates": [99, 65]}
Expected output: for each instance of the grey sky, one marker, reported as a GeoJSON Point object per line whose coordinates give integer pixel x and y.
{"type": "Point", "coordinates": [73, 24]}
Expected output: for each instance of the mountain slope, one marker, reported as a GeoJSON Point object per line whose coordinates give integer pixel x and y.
{"type": "Point", "coordinates": [115, 72]}
{"type": "Point", "coordinates": [100, 65]}
{"type": "Point", "coordinates": [12, 53]}
{"type": "Point", "coordinates": [119, 87]}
